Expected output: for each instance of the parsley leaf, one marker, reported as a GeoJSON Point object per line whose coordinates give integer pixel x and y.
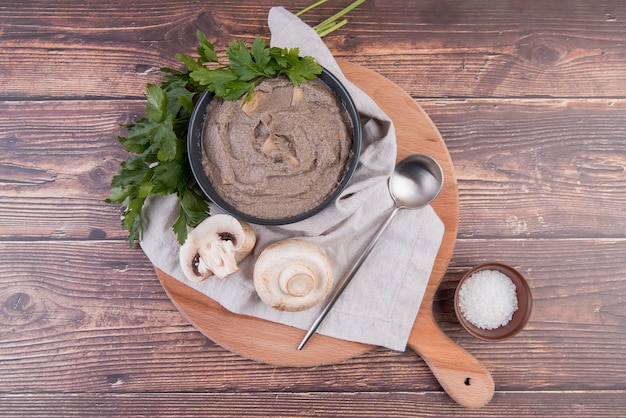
{"type": "Point", "coordinates": [159, 165]}
{"type": "Point", "coordinates": [157, 104]}
{"type": "Point", "coordinates": [216, 81]}
{"type": "Point", "coordinates": [206, 50]}
{"type": "Point", "coordinates": [246, 67]}
{"type": "Point", "coordinates": [262, 56]}
{"type": "Point", "coordinates": [242, 64]}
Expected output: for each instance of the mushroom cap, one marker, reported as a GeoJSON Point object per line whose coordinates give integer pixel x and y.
{"type": "Point", "coordinates": [292, 275]}
{"type": "Point", "coordinates": [215, 246]}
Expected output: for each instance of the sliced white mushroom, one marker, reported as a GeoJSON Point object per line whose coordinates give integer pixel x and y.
{"type": "Point", "coordinates": [215, 247]}
{"type": "Point", "coordinates": [297, 95]}
{"type": "Point", "coordinates": [250, 106]}
{"type": "Point", "coordinates": [292, 275]}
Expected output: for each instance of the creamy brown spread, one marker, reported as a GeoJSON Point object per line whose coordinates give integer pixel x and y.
{"type": "Point", "coordinates": [281, 154]}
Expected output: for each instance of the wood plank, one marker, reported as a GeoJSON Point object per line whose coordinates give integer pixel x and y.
{"type": "Point", "coordinates": [59, 217]}
{"type": "Point", "coordinates": [76, 322]}
{"type": "Point", "coordinates": [518, 179]}
{"type": "Point", "coordinates": [440, 49]}
{"type": "Point", "coordinates": [515, 179]}
{"type": "Point", "coordinates": [408, 404]}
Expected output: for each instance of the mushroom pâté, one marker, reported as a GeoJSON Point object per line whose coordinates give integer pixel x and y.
{"type": "Point", "coordinates": [215, 247]}
{"type": "Point", "coordinates": [292, 275]}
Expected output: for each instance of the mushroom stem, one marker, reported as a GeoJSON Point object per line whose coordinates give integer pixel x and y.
{"type": "Point", "coordinates": [296, 280]}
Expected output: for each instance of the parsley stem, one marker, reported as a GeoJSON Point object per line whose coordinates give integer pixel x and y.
{"type": "Point", "coordinates": [312, 6]}
{"type": "Point", "coordinates": [329, 25]}
{"type": "Point", "coordinates": [336, 25]}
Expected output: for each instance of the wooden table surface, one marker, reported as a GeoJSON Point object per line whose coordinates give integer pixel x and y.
{"type": "Point", "coordinates": [530, 98]}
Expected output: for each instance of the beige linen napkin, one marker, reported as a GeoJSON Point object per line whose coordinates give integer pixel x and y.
{"type": "Point", "coordinates": [380, 304]}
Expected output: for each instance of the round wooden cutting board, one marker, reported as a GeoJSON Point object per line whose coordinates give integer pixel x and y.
{"type": "Point", "coordinates": [461, 375]}
{"type": "Point", "coordinates": [274, 343]}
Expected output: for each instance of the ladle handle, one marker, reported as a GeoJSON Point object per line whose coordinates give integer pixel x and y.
{"type": "Point", "coordinates": [346, 280]}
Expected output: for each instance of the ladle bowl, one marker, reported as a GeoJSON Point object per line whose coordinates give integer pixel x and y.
{"type": "Point", "coordinates": [415, 182]}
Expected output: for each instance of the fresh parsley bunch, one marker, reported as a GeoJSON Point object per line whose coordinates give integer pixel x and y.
{"type": "Point", "coordinates": [245, 68]}
{"type": "Point", "coordinates": [159, 164]}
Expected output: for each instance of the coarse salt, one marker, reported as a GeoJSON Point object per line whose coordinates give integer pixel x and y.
{"type": "Point", "coordinates": [488, 299]}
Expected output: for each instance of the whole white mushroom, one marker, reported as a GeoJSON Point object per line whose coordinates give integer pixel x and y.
{"type": "Point", "coordinates": [292, 275]}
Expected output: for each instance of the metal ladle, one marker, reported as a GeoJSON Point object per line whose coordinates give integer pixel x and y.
{"type": "Point", "coordinates": [415, 182]}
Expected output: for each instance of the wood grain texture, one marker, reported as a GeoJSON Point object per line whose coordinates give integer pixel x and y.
{"type": "Point", "coordinates": [516, 177]}
{"type": "Point", "coordinates": [313, 404]}
{"type": "Point", "coordinates": [97, 310]}
{"type": "Point", "coordinates": [522, 49]}
{"type": "Point", "coordinates": [530, 98]}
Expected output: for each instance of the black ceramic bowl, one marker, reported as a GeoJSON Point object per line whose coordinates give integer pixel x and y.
{"type": "Point", "coordinates": [195, 150]}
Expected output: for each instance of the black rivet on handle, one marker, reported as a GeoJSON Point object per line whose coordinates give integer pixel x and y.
{"type": "Point", "coordinates": [467, 381]}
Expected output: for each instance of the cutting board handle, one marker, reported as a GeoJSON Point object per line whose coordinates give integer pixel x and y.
{"type": "Point", "coordinates": [461, 375]}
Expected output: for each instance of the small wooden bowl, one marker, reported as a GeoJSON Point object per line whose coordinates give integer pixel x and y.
{"type": "Point", "coordinates": [521, 315]}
